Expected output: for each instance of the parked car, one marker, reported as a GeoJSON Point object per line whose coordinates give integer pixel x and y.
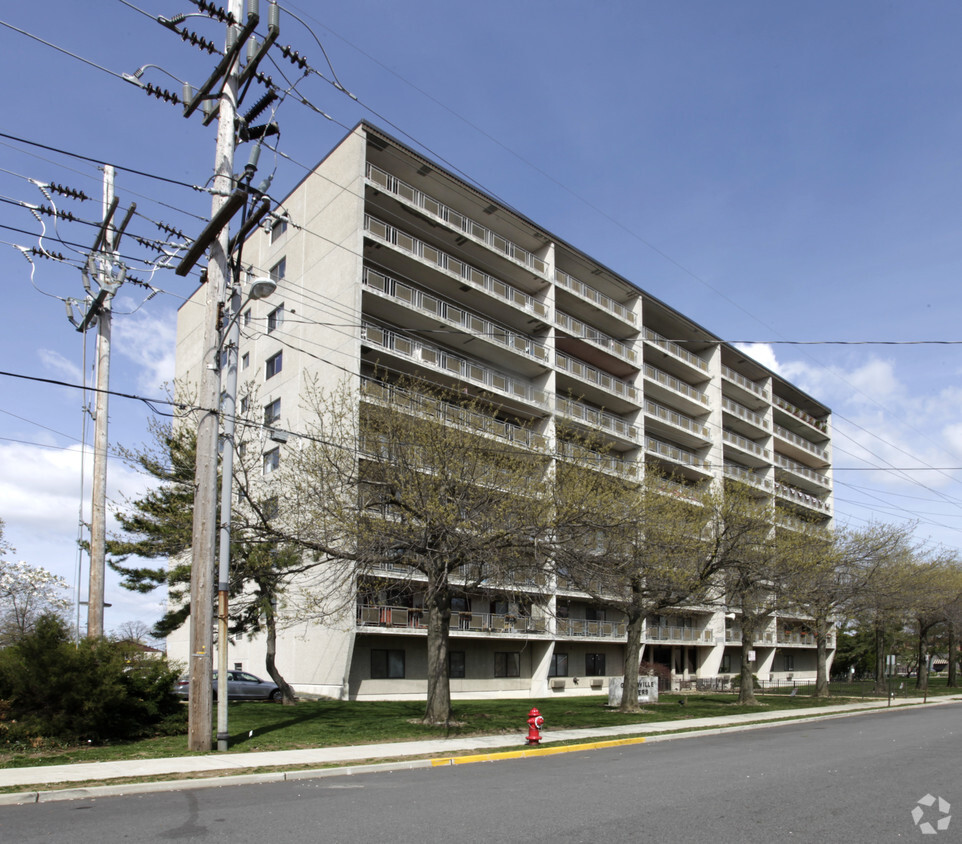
{"type": "Point", "coordinates": [240, 686]}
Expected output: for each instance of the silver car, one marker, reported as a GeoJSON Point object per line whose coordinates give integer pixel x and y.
{"type": "Point", "coordinates": [240, 686]}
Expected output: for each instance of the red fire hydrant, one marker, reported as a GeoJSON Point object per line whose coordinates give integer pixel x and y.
{"type": "Point", "coordinates": [535, 723]}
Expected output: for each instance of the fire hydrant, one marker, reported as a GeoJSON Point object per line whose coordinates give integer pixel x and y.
{"type": "Point", "coordinates": [535, 723]}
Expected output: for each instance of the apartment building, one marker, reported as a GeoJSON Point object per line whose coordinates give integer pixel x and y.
{"type": "Point", "coordinates": [387, 260]}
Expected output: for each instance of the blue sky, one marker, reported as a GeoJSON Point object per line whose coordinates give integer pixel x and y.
{"type": "Point", "coordinates": [778, 172]}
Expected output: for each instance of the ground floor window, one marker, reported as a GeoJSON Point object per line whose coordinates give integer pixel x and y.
{"type": "Point", "coordinates": [507, 664]}
{"type": "Point", "coordinates": [595, 665]}
{"type": "Point", "coordinates": [387, 665]}
{"type": "Point", "coordinates": [456, 665]}
{"type": "Point", "coordinates": [726, 664]}
{"type": "Point", "coordinates": [559, 665]}
{"type": "Point", "coordinates": [789, 661]}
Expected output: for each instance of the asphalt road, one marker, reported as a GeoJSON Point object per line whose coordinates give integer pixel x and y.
{"type": "Point", "coordinates": [854, 779]}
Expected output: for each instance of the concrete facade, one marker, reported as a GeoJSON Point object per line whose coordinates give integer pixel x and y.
{"type": "Point", "coordinates": [387, 259]}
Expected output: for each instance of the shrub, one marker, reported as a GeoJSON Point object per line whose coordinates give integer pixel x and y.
{"type": "Point", "coordinates": [94, 690]}
{"type": "Point", "coordinates": [737, 681]}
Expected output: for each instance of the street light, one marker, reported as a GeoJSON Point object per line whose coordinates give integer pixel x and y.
{"type": "Point", "coordinates": [260, 288]}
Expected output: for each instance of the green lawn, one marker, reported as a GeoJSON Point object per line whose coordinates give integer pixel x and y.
{"type": "Point", "coordinates": [267, 726]}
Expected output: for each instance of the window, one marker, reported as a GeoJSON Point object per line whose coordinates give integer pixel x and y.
{"type": "Point", "coordinates": [272, 460]}
{"type": "Point", "coordinates": [245, 403]}
{"type": "Point", "coordinates": [726, 664]}
{"type": "Point", "coordinates": [272, 412]}
{"type": "Point", "coordinates": [247, 317]}
{"type": "Point", "coordinates": [275, 319]}
{"type": "Point", "coordinates": [245, 360]}
{"type": "Point", "coordinates": [387, 665]}
{"type": "Point", "coordinates": [559, 665]}
{"type": "Point", "coordinates": [507, 665]}
{"type": "Point", "coordinates": [595, 665]}
{"type": "Point", "coordinates": [789, 661]}
{"type": "Point", "coordinates": [456, 665]}
{"type": "Point", "coordinates": [278, 270]}
{"type": "Point", "coordinates": [271, 507]}
{"type": "Point", "coordinates": [274, 365]}
{"type": "Point", "coordinates": [278, 229]}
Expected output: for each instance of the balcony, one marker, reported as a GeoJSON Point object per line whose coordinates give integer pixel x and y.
{"type": "Point", "coordinates": [591, 375]}
{"type": "Point", "coordinates": [403, 400]}
{"type": "Point", "coordinates": [818, 424]}
{"type": "Point", "coordinates": [396, 619]}
{"type": "Point", "coordinates": [676, 388]}
{"type": "Point", "coordinates": [796, 638]}
{"type": "Point", "coordinates": [795, 495]}
{"type": "Point", "coordinates": [747, 446]}
{"type": "Point", "coordinates": [465, 225]}
{"type": "Point", "coordinates": [675, 454]}
{"type": "Point", "coordinates": [678, 421]}
{"type": "Point", "coordinates": [576, 328]}
{"type": "Point", "coordinates": [610, 463]}
{"type": "Point", "coordinates": [597, 419]}
{"type": "Point", "coordinates": [676, 351]}
{"type": "Point", "coordinates": [733, 636]}
{"type": "Point", "coordinates": [747, 476]}
{"type": "Point", "coordinates": [679, 635]}
{"type": "Point", "coordinates": [746, 384]}
{"type": "Point", "coordinates": [801, 471]}
{"type": "Point", "coordinates": [580, 627]}
{"type": "Point", "coordinates": [442, 361]}
{"type": "Point", "coordinates": [741, 412]}
{"type": "Point", "coordinates": [435, 308]}
{"type": "Point", "coordinates": [589, 294]}
{"type": "Point", "coordinates": [380, 231]}
{"type": "Point", "coordinates": [800, 442]}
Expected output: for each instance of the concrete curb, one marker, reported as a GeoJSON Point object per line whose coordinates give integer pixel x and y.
{"type": "Point", "coordinates": [93, 792]}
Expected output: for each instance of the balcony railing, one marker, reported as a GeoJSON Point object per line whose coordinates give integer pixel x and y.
{"type": "Point", "coordinates": [742, 412]}
{"type": "Point", "coordinates": [607, 382]}
{"type": "Point", "coordinates": [576, 328]}
{"type": "Point", "coordinates": [584, 291]}
{"type": "Point", "coordinates": [678, 420]}
{"type": "Point", "coordinates": [796, 495]}
{"type": "Point", "coordinates": [675, 384]}
{"type": "Point", "coordinates": [472, 323]}
{"type": "Point", "coordinates": [443, 361]}
{"type": "Point", "coordinates": [746, 445]}
{"type": "Point", "coordinates": [798, 413]}
{"type": "Point", "coordinates": [407, 400]}
{"type": "Point", "coordinates": [734, 636]}
{"type": "Point", "coordinates": [675, 454]}
{"type": "Point", "coordinates": [801, 442]}
{"type": "Point", "coordinates": [595, 418]}
{"type": "Point", "coordinates": [455, 219]}
{"type": "Point", "coordinates": [674, 349]}
{"type": "Point", "coordinates": [602, 462]}
{"type": "Point", "coordinates": [583, 627]}
{"type": "Point", "coordinates": [801, 470]}
{"type": "Point", "coordinates": [679, 634]}
{"type": "Point", "coordinates": [739, 473]}
{"type": "Point", "coordinates": [745, 383]}
{"type": "Point", "coordinates": [416, 619]}
{"type": "Point", "coordinates": [454, 266]}
{"type": "Point", "coordinates": [788, 637]}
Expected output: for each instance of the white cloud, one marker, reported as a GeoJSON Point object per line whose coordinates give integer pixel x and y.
{"type": "Point", "coordinates": [58, 364]}
{"type": "Point", "coordinates": [762, 352]}
{"type": "Point", "coordinates": [148, 339]}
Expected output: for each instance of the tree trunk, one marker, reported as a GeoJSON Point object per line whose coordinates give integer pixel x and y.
{"type": "Point", "coordinates": [629, 693]}
{"type": "Point", "coordinates": [821, 659]}
{"type": "Point", "coordinates": [746, 690]}
{"type": "Point", "coordinates": [953, 678]}
{"type": "Point", "coordinates": [922, 676]}
{"type": "Point", "coordinates": [880, 687]}
{"type": "Point", "coordinates": [438, 606]}
{"type": "Point", "coordinates": [270, 623]}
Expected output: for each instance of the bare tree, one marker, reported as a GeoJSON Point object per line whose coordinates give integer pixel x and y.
{"type": "Point", "coordinates": [634, 545]}
{"type": "Point", "coordinates": [411, 484]}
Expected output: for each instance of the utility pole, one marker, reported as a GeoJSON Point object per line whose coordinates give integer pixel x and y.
{"type": "Point", "coordinates": [109, 275]}
{"type": "Point", "coordinates": [228, 199]}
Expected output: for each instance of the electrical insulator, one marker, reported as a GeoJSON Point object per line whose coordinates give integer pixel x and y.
{"type": "Point", "coordinates": [273, 16]}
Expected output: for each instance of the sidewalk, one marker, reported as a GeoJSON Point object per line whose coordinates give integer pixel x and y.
{"type": "Point", "coordinates": [228, 765]}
